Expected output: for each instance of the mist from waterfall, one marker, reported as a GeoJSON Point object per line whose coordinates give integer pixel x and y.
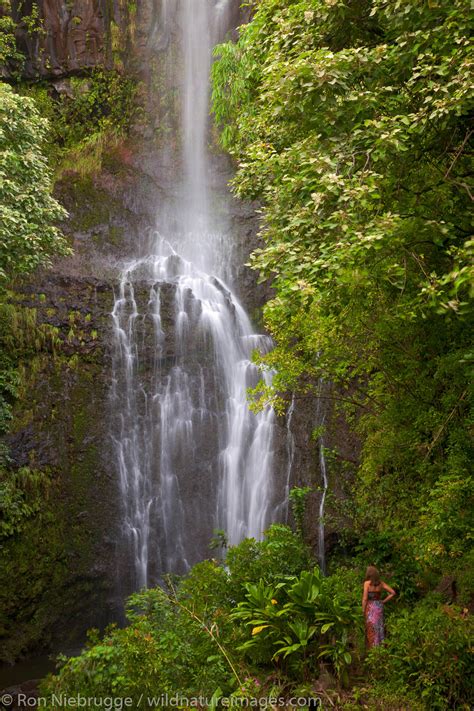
{"type": "Point", "coordinates": [190, 454]}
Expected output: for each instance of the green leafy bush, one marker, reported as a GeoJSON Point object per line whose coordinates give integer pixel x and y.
{"type": "Point", "coordinates": [210, 634]}
{"type": "Point", "coordinates": [165, 650]}
{"type": "Point", "coordinates": [184, 638]}
{"type": "Point", "coordinates": [28, 212]}
{"type": "Point", "coordinates": [105, 100]}
{"type": "Point", "coordinates": [396, 562]}
{"type": "Point", "coordinates": [21, 497]}
{"type": "Point", "coordinates": [296, 623]}
{"type": "Point", "coordinates": [282, 552]}
{"type": "Point", "coordinates": [448, 518]}
{"type": "Point", "coordinates": [428, 653]}
{"type": "Point", "coordinates": [298, 497]}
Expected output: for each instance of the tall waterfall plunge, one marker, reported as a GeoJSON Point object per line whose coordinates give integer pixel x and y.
{"type": "Point", "coordinates": [191, 456]}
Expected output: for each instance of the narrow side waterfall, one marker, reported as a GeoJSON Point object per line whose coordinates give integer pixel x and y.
{"type": "Point", "coordinates": [321, 530]}
{"type": "Point", "coordinates": [290, 450]}
{"type": "Point", "coordinates": [191, 457]}
{"type": "Point", "coordinates": [321, 421]}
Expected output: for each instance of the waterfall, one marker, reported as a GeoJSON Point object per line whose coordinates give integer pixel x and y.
{"type": "Point", "coordinates": [321, 532]}
{"type": "Point", "coordinates": [321, 420]}
{"type": "Point", "coordinates": [190, 454]}
{"type": "Point", "coordinates": [290, 450]}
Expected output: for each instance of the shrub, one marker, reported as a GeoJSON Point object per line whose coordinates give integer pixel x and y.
{"type": "Point", "coordinates": [295, 622]}
{"type": "Point", "coordinates": [28, 212]}
{"type": "Point", "coordinates": [428, 654]}
{"type": "Point", "coordinates": [89, 120]}
{"type": "Point", "coordinates": [282, 552]}
{"type": "Point", "coordinates": [164, 650]}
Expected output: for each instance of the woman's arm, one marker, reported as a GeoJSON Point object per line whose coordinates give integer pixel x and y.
{"type": "Point", "coordinates": [364, 595]}
{"type": "Point", "coordinates": [391, 592]}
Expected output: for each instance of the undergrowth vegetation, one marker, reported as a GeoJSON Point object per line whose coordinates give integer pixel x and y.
{"type": "Point", "coordinates": [281, 631]}
{"type": "Point", "coordinates": [87, 119]}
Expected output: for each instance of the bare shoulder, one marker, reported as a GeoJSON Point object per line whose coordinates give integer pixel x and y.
{"type": "Point", "coordinates": [366, 583]}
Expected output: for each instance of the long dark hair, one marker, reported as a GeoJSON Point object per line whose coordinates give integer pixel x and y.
{"type": "Point", "coordinates": [373, 575]}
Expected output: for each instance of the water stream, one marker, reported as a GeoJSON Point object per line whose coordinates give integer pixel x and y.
{"type": "Point", "coordinates": [321, 422]}
{"type": "Point", "coordinates": [190, 455]}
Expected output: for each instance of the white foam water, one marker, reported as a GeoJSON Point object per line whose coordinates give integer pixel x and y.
{"type": "Point", "coordinates": [191, 455]}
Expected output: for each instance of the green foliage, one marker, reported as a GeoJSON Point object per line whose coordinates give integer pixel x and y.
{"type": "Point", "coordinates": [8, 49]}
{"type": "Point", "coordinates": [103, 101]}
{"type": "Point", "coordinates": [129, 661]}
{"type": "Point", "coordinates": [22, 495]}
{"type": "Point", "coordinates": [20, 336]}
{"type": "Point", "coordinates": [28, 239]}
{"type": "Point", "coordinates": [448, 519]}
{"type": "Point", "coordinates": [88, 120]}
{"type": "Point", "coordinates": [168, 648]}
{"type": "Point", "coordinates": [298, 499]}
{"type": "Point", "coordinates": [282, 552]}
{"type": "Point", "coordinates": [182, 639]}
{"type": "Point", "coordinates": [212, 632]}
{"type": "Point", "coordinates": [219, 539]}
{"type": "Point", "coordinates": [463, 573]}
{"type": "Point", "coordinates": [28, 212]}
{"type": "Point", "coordinates": [387, 552]}
{"type": "Point", "coordinates": [296, 623]}
{"type": "Point", "coordinates": [8, 392]}
{"type": "Point", "coordinates": [428, 654]}
{"type": "Point", "coordinates": [350, 122]}
{"type": "Point", "coordinates": [185, 640]}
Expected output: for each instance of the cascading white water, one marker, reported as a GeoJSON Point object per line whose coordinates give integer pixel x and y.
{"type": "Point", "coordinates": [190, 454]}
{"type": "Point", "coordinates": [321, 421]}
{"type": "Point", "coordinates": [290, 447]}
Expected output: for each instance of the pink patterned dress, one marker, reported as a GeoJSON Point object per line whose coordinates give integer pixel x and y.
{"type": "Point", "coordinates": [374, 623]}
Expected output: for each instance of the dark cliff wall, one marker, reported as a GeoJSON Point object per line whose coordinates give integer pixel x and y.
{"type": "Point", "coordinates": [62, 566]}
{"type": "Point", "coordinates": [60, 38]}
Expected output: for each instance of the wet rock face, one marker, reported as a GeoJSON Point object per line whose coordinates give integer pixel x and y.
{"type": "Point", "coordinates": [64, 562]}
{"type": "Point", "coordinates": [61, 421]}
{"type": "Point", "coordinates": [68, 37]}
{"type": "Point", "coordinates": [64, 37]}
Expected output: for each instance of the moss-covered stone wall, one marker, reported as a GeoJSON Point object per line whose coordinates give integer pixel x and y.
{"type": "Point", "coordinates": [60, 564]}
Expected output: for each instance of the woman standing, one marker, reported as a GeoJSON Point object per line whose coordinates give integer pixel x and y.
{"type": "Point", "coordinates": [372, 606]}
